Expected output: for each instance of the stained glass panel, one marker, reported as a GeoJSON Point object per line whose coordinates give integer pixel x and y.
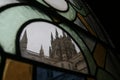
{"type": "Point", "coordinates": [67, 43]}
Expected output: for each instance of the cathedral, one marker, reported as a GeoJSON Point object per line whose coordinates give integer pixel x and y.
{"type": "Point", "coordinates": [62, 53]}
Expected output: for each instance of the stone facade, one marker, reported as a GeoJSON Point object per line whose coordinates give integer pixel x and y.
{"type": "Point", "coordinates": [62, 53]}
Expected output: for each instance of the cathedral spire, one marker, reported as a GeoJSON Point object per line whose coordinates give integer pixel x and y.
{"type": "Point", "coordinates": [69, 38]}
{"type": "Point", "coordinates": [51, 37]}
{"type": "Point", "coordinates": [56, 34]}
{"type": "Point", "coordinates": [50, 52]}
{"type": "Point", "coordinates": [24, 37]}
{"type": "Point", "coordinates": [23, 42]}
{"type": "Point", "coordinates": [63, 34]}
{"type": "Point", "coordinates": [41, 51]}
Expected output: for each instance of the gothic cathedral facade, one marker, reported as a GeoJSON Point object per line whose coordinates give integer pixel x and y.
{"type": "Point", "coordinates": [62, 53]}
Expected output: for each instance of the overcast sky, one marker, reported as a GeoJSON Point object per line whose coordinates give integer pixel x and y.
{"type": "Point", "coordinates": [39, 33]}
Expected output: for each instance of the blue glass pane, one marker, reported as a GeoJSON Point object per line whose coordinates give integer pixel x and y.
{"type": "Point", "coordinates": [47, 74]}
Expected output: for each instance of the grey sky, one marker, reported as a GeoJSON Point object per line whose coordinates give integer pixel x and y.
{"type": "Point", "coordinates": [39, 33]}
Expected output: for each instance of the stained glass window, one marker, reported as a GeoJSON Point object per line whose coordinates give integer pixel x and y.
{"type": "Point", "coordinates": [54, 40]}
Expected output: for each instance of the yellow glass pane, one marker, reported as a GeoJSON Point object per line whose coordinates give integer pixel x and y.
{"type": "Point", "coordinates": [86, 24]}
{"type": "Point", "coordinates": [15, 70]}
{"type": "Point", "coordinates": [99, 55]}
{"type": "Point", "coordinates": [89, 78]}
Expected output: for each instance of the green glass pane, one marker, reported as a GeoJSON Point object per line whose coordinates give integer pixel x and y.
{"type": "Point", "coordinates": [79, 7]}
{"type": "Point", "coordinates": [10, 22]}
{"type": "Point", "coordinates": [89, 42]}
{"type": "Point", "coordinates": [5, 2]}
{"type": "Point", "coordinates": [102, 75]}
{"type": "Point", "coordinates": [42, 2]}
{"type": "Point", "coordinates": [0, 59]}
{"type": "Point", "coordinates": [80, 24]}
{"type": "Point", "coordinates": [87, 54]}
{"type": "Point", "coordinates": [113, 64]}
